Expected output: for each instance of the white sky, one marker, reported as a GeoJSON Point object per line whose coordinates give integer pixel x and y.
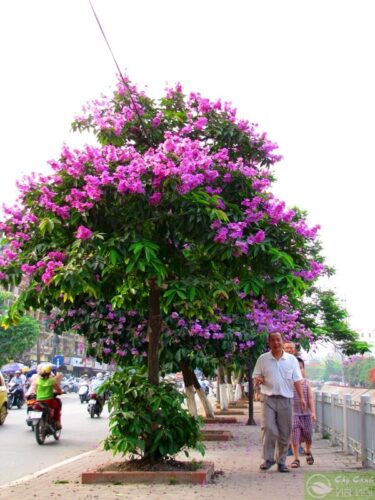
{"type": "Point", "coordinates": [303, 70]}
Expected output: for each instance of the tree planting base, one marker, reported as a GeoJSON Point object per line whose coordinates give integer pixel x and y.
{"type": "Point", "coordinates": [199, 476]}
{"type": "Point", "coordinates": [216, 435]}
{"type": "Point", "coordinates": [238, 405]}
{"type": "Point", "coordinates": [229, 412]}
{"type": "Point", "coordinates": [221, 420]}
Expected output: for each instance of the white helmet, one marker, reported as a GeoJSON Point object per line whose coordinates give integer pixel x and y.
{"type": "Point", "coordinates": [99, 375]}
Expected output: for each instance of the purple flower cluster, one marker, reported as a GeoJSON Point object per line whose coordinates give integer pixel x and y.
{"type": "Point", "coordinates": [202, 336]}
{"type": "Point", "coordinates": [112, 334]}
{"type": "Point", "coordinates": [283, 319]}
{"type": "Point", "coordinates": [350, 360]}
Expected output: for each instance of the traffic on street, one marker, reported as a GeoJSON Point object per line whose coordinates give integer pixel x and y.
{"type": "Point", "coordinates": [20, 454]}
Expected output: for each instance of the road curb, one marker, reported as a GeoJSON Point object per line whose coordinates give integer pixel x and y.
{"type": "Point", "coordinates": [41, 472]}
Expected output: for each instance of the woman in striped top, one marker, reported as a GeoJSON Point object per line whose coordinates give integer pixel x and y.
{"type": "Point", "coordinates": [302, 428]}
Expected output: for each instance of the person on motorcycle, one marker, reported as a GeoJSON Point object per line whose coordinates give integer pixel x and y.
{"type": "Point", "coordinates": [16, 388]}
{"type": "Point", "coordinates": [46, 387]}
{"type": "Point", "coordinates": [84, 389]}
{"type": "Point", "coordinates": [95, 384]}
{"type": "Point", "coordinates": [84, 381]}
{"type": "Point", "coordinates": [18, 379]}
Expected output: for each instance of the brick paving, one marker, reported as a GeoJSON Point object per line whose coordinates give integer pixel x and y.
{"type": "Point", "coordinates": [237, 463]}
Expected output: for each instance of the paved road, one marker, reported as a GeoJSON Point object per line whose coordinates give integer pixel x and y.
{"type": "Point", "coordinates": [21, 455]}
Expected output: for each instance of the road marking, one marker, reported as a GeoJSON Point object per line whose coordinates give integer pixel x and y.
{"type": "Point", "coordinates": [39, 473]}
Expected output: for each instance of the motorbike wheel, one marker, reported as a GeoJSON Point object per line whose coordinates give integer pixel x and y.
{"type": "Point", "coordinates": [92, 411]}
{"type": "Point", "coordinates": [40, 431]}
{"type": "Point", "coordinates": [10, 402]}
{"type": "Point", "coordinates": [19, 404]}
{"type": "Point", "coordinates": [98, 410]}
{"type": "Point", "coordinates": [57, 434]}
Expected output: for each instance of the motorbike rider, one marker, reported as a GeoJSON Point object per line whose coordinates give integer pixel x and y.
{"type": "Point", "coordinates": [84, 381]}
{"type": "Point", "coordinates": [47, 386]}
{"type": "Point", "coordinates": [18, 383]}
{"type": "Point", "coordinates": [84, 388]}
{"type": "Point", "coordinates": [18, 379]}
{"type": "Point", "coordinates": [95, 384]}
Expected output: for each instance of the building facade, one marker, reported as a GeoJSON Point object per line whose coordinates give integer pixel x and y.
{"type": "Point", "coordinates": [369, 337]}
{"type": "Point", "coordinates": [67, 350]}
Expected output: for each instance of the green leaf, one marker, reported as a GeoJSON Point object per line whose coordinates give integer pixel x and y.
{"type": "Point", "coordinates": [46, 224]}
{"type": "Point", "coordinates": [192, 293]}
{"type": "Point", "coordinates": [141, 265]}
{"type": "Point", "coordinates": [136, 248]}
{"type": "Point", "coordinates": [130, 266]}
{"type": "Point", "coordinates": [115, 256]}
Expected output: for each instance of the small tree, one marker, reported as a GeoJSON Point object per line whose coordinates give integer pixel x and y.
{"type": "Point", "coordinates": [323, 315]}
{"type": "Point", "coordinates": [17, 338]}
{"type": "Point", "coordinates": [357, 370]}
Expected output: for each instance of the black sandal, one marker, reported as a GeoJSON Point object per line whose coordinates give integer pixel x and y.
{"type": "Point", "coordinates": [295, 464]}
{"type": "Point", "coordinates": [267, 464]}
{"type": "Point", "coordinates": [309, 458]}
{"type": "Point", "coordinates": [283, 468]}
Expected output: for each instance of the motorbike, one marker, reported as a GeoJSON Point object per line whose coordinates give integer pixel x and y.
{"type": "Point", "coordinates": [15, 396]}
{"type": "Point", "coordinates": [30, 401]}
{"type": "Point", "coordinates": [95, 405]}
{"type": "Point", "coordinates": [42, 422]}
{"type": "Point", "coordinates": [83, 393]}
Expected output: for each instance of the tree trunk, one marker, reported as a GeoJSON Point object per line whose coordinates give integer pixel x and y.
{"type": "Point", "coordinates": [238, 394]}
{"type": "Point", "coordinates": [223, 389]}
{"type": "Point", "coordinates": [190, 401]}
{"type": "Point", "coordinates": [208, 410]}
{"type": "Point", "coordinates": [187, 374]}
{"type": "Point", "coordinates": [154, 324]}
{"type": "Point", "coordinates": [229, 384]}
{"type": "Point", "coordinates": [218, 387]}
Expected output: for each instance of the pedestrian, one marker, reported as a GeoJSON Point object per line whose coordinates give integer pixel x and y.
{"type": "Point", "coordinates": [291, 348]}
{"type": "Point", "coordinates": [278, 373]}
{"type": "Point", "coordinates": [303, 420]}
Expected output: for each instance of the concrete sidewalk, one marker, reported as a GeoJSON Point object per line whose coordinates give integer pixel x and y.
{"type": "Point", "coordinates": [237, 463]}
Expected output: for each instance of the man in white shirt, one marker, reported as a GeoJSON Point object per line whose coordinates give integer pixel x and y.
{"type": "Point", "coordinates": [19, 379]}
{"type": "Point", "coordinates": [278, 373]}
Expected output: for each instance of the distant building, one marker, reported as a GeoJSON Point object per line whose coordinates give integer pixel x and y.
{"type": "Point", "coordinates": [369, 337]}
{"type": "Point", "coordinates": [68, 350]}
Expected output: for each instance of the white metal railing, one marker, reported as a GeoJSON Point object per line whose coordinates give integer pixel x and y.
{"type": "Point", "coordinates": [348, 424]}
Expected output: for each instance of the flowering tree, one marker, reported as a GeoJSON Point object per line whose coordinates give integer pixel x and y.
{"type": "Point", "coordinates": [171, 212]}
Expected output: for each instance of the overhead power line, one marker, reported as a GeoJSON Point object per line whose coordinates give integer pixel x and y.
{"type": "Point", "coordinates": [122, 78]}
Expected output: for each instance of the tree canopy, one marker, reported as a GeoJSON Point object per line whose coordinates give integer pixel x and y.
{"type": "Point", "coordinates": [171, 212]}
